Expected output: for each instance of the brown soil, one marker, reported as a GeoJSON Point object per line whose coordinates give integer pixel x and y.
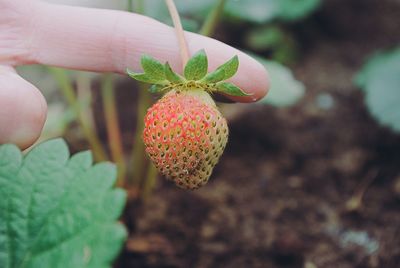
{"type": "Point", "coordinates": [279, 197]}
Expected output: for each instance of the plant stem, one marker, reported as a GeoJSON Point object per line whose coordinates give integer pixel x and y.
{"type": "Point", "coordinates": [84, 97]}
{"type": "Point", "coordinates": [150, 181]}
{"type": "Point", "coordinates": [179, 31]}
{"type": "Point", "coordinates": [129, 6]}
{"type": "Point", "coordinates": [69, 94]}
{"type": "Point", "coordinates": [113, 129]}
{"type": "Point", "coordinates": [138, 7]}
{"type": "Point", "coordinates": [212, 19]}
{"type": "Point", "coordinates": [138, 157]}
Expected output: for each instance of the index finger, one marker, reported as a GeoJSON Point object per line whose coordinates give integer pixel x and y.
{"type": "Point", "coordinates": [108, 40]}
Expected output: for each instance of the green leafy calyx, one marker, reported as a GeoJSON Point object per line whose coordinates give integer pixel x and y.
{"type": "Point", "coordinates": [195, 75]}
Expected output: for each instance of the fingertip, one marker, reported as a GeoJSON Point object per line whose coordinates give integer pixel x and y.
{"type": "Point", "coordinates": [251, 77]}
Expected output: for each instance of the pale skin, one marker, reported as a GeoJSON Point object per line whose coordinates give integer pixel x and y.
{"type": "Point", "coordinates": [35, 32]}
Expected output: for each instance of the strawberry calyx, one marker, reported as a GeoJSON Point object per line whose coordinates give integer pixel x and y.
{"type": "Point", "coordinates": [195, 76]}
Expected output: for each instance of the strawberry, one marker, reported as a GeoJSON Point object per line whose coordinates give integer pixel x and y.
{"type": "Point", "coordinates": [185, 134]}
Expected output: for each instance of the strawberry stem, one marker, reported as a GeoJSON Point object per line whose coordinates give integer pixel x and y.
{"type": "Point", "coordinates": [138, 155]}
{"type": "Point", "coordinates": [112, 125]}
{"type": "Point", "coordinates": [179, 31]}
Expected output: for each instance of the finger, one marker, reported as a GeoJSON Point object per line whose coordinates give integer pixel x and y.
{"type": "Point", "coordinates": [108, 40]}
{"type": "Point", "coordinates": [23, 109]}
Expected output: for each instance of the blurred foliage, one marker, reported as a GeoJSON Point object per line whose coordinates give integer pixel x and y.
{"type": "Point", "coordinates": [380, 81]}
{"type": "Point", "coordinates": [272, 38]}
{"type": "Point", "coordinates": [255, 11]}
{"type": "Point", "coordinates": [59, 115]}
{"type": "Point", "coordinates": [285, 90]}
{"type": "Point", "coordinates": [262, 11]}
{"type": "Point", "coordinates": [41, 78]}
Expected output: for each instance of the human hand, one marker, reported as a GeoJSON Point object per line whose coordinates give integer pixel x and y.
{"type": "Point", "coordinates": [35, 32]}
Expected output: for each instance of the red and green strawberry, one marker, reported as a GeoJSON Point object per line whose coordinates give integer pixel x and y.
{"type": "Point", "coordinates": [185, 134]}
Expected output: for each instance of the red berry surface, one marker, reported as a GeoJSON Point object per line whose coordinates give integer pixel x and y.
{"type": "Point", "coordinates": [185, 135]}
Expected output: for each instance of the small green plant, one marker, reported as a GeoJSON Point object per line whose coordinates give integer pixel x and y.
{"type": "Point", "coordinates": [380, 81]}
{"type": "Point", "coordinates": [57, 210]}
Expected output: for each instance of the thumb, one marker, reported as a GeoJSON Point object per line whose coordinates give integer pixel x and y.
{"type": "Point", "coordinates": [23, 109]}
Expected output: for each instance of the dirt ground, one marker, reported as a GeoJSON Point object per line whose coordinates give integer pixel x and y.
{"type": "Point", "coordinates": [280, 195]}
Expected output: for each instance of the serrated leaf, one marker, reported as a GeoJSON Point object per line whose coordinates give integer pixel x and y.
{"type": "Point", "coordinates": [380, 80]}
{"type": "Point", "coordinates": [285, 89]}
{"type": "Point", "coordinates": [231, 89]}
{"type": "Point", "coordinates": [152, 68]}
{"type": "Point", "coordinates": [142, 77]}
{"type": "Point", "coordinates": [57, 211]}
{"type": "Point", "coordinates": [171, 75]}
{"type": "Point", "coordinates": [197, 66]}
{"type": "Point", "coordinates": [81, 161]}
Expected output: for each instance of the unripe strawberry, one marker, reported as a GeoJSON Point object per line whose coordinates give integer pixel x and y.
{"type": "Point", "coordinates": [184, 132]}
{"type": "Point", "coordinates": [185, 135]}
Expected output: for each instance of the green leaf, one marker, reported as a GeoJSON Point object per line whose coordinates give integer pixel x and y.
{"type": "Point", "coordinates": [231, 89]}
{"type": "Point", "coordinates": [154, 72]}
{"type": "Point", "coordinates": [230, 67]}
{"type": "Point", "coordinates": [214, 77]}
{"type": "Point", "coordinates": [57, 211]}
{"type": "Point", "coordinates": [380, 80]}
{"type": "Point", "coordinates": [292, 10]}
{"type": "Point", "coordinates": [262, 11]}
{"type": "Point", "coordinates": [223, 72]}
{"type": "Point", "coordinates": [153, 68]}
{"type": "Point", "coordinates": [142, 77]}
{"type": "Point", "coordinates": [196, 67]}
{"type": "Point", "coordinates": [265, 37]}
{"type": "Point", "coordinates": [171, 75]}
{"type": "Point", "coordinates": [285, 90]}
